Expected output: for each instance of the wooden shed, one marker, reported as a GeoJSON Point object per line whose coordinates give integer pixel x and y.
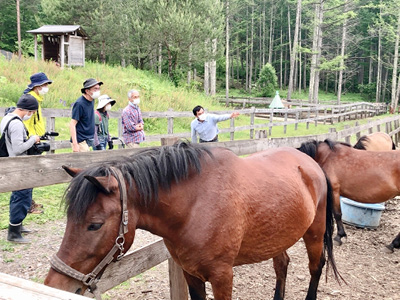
{"type": "Point", "coordinates": [64, 44]}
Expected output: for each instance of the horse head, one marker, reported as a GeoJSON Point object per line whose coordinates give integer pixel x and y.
{"type": "Point", "coordinates": [99, 229]}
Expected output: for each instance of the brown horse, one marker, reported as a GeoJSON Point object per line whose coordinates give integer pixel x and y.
{"type": "Point", "coordinates": [377, 141]}
{"type": "Point", "coordinates": [213, 209]}
{"type": "Point", "coordinates": [363, 176]}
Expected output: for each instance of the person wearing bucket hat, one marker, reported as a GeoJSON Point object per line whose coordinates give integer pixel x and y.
{"type": "Point", "coordinates": [82, 125]}
{"type": "Point", "coordinates": [102, 135]}
{"type": "Point", "coordinates": [38, 87]}
{"type": "Point", "coordinates": [18, 143]}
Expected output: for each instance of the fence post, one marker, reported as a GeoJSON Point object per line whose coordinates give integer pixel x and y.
{"type": "Point", "coordinates": [308, 118]}
{"type": "Point", "coordinates": [370, 129]}
{"type": "Point", "coordinates": [232, 129]}
{"type": "Point", "coordinates": [177, 283]}
{"type": "Point", "coordinates": [297, 120]}
{"type": "Point", "coordinates": [285, 126]}
{"type": "Point", "coordinates": [170, 123]}
{"type": "Point", "coordinates": [325, 115]}
{"type": "Point", "coordinates": [358, 134]}
{"type": "Point", "coordinates": [347, 138]}
{"type": "Point", "coordinates": [51, 126]}
{"type": "Point", "coordinates": [316, 116]}
{"type": "Point", "coordinates": [271, 117]}
{"type": "Point", "coordinates": [252, 117]}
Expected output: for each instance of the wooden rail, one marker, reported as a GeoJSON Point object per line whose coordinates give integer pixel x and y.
{"type": "Point", "coordinates": [46, 170]}
{"type": "Point", "coordinates": [312, 114]}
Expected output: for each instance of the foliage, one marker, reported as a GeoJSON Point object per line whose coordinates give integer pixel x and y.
{"type": "Point", "coordinates": [367, 91]}
{"type": "Point", "coordinates": [268, 81]}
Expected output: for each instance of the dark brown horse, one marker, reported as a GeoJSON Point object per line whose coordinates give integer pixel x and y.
{"type": "Point", "coordinates": [213, 209]}
{"type": "Point", "coordinates": [377, 141]}
{"type": "Point", "coordinates": [363, 176]}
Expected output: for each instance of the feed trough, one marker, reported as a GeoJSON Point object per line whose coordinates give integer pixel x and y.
{"type": "Point", "coordinates": [364, 215]}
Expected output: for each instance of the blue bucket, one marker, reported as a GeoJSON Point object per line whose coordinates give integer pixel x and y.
{"type": "Point", "coordinates": [364, 215]}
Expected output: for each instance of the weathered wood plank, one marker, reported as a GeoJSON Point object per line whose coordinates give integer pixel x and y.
{"type": "Point", "coordinates": [133, 264]}
{"type": "Point", "coordinates": [15, 288]}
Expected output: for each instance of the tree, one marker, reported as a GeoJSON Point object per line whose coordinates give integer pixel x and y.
{"type": "Point", "coordinates": [268, 81]}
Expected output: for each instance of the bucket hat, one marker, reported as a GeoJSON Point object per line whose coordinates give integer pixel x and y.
{"type": "Point", "coordinates": [104, 100]}
{"type": "Point", "coordinates": [27, 102]}
{"type": "Point", "coordinates": [89, 83]}
{"type": "Point", "coordinates": [37, 79]}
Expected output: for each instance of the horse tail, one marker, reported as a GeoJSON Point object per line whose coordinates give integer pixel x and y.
{"type": "Point", "coordinates": [329, 227]}
{"type": "Point", "coordinates": [360, 143]}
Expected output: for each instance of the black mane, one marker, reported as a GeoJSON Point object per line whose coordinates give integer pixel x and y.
{"type": "Point", "coordinates": [150, 170]}
{"type": "Point", "coordinates": [360, 143]}
{"type": "Point", "coordinates": [310, 147]}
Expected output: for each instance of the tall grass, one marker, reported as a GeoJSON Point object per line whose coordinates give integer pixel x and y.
{"type": "Point", "coordinates": [157, 92]}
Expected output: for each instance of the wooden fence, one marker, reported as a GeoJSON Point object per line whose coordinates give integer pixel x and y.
{"type": "Point", "coordinates": [47, 170]}
{"type": "Point", "coordinates": [316, 114]}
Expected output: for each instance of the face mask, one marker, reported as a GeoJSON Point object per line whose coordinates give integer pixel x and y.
{"type": "Point", "coordinates": [43, 91]}
{"type": "Point", "coordinates": [27, 117]}
{"type": "Point", "coordinates": [96, 95]}
{"type": "Point", "coordinates": [202, 117]}
{"type": "Point", "coordinates": [136, 101]}
{"type": "Point", "coordinates": [108, 107]}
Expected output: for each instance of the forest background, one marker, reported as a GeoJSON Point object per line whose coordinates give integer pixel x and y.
{"type": "Point", "coordinates": [337, 46]}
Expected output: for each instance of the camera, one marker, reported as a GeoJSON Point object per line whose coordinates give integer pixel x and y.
{"type": "Point", "coordinates": [39, 148]}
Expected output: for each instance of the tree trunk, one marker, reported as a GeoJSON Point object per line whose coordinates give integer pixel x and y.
{"type": "Point", "coordinates": [207, 72]}
{"type": "Point", "coordinates": [294, 51]}
{"type": "Point", "coordinates": [19, 30]}
{"type": "Point", "coordinates": [271, 35]}
{"type": "Point", "coordinates": [251, 48]}
{"type": "Point", "coordinates": [189, 73]}
{"type": "Point", "coordinates": [263, 36]}
{"type": "Point", "coordinates": [213, 69]}
{"type": "Point", "coordinates": [395, 61]}
{"type": "Point", "coordinates": [378, 76]}
{"type": "Point", "coordinates": [314, 53]}
{"type": "Point", "coordinates": [227, 55]}
{"type": "Point", "coordinates": [247, 48]}
{"type": "Point", "coordinates": [159, 59]}
{"type": "Point", "coordinates": [341, 69]}
{"type": "Point", "coordinates": [370, 65]}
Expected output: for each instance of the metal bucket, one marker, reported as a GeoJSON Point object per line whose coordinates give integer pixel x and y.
{"type": "Point", "coordinates": [364, 215]}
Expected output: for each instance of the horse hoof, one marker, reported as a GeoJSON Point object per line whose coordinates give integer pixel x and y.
{"type": "Point", "coordinates": [337, 242]}
{"type": "Point", "coordinates": [387, 249]}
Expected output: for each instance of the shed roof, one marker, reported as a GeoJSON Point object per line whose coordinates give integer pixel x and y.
{"type": "Point", "coordinates": [59, 29]}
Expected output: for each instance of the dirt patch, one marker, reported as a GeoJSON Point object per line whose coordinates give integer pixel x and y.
{"type": "Point", "coordinates": [369, 273]}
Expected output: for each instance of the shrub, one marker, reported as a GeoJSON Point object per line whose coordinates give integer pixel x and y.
{"type": "Point", "coordinates": [268, 81]}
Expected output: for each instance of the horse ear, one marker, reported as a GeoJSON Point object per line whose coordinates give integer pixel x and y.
{"type": "Point", "coordinates": [71, 171]}
{"type": "Point", "coordinates": [102, 183]}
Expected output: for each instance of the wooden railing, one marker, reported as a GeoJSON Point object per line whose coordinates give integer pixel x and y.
{"type": "Point", "coordinates": [47, 170]}
{"type": "Point", "coordinates": [317, 114]}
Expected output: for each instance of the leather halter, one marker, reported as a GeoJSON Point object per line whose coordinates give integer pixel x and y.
{"type": "Point", "coordinates": [93, 277]}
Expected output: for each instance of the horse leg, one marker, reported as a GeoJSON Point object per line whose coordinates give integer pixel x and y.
{"type": "Point", "coordinates": [314, 241]}
{"type": "Point", "coordinates": [394, 244]}
{"type": "Point", "coordinates": [197, 287]}
{"type": "Point", "coordinates": [337, 213]}
{"type": "Point", "coordinates": [221, 282]}
{"type": "Point", "coordinates": [281, 263]}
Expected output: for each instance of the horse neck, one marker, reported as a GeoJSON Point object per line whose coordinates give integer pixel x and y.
{"type": "Point", "coordinates": [169, 213]}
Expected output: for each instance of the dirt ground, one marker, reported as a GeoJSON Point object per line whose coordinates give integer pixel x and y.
{"type": "Point", "coordinates": [369, 273]}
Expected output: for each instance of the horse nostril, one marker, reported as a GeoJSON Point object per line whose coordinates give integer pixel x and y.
{"type": "Point", "coordinates": [78, 291]}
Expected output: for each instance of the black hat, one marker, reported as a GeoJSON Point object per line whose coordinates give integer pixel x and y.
{"type": "Point", "coordinates": [37, 79]}
{"type": "Point", "coordinates": [27, 102]}
{"type": "Point", "coordinates": [89, 83]}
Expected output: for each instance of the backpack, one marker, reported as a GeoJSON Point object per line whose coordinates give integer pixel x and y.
{"type": "Point", "coordinates": [3, 145]}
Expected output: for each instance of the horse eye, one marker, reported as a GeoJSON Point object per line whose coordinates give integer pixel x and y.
{"type": "Point", "coordinates": [94, 226]}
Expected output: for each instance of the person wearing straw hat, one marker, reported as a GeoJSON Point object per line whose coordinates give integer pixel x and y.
{"type": "Point", "coordinates": [102, 135]}
{"type": "Point", "coordinates": [38, 87]}
{"type": "Point", "coordinates": [82, 124]}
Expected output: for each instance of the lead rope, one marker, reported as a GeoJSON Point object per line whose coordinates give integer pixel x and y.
{"type": "Point", "coordinates": [92, 278]}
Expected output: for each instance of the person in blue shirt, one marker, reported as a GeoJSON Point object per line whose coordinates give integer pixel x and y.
{"type": "Point", "coordinates": [82, 123]}
{"type": "Point", "coordinates": [205, 125]}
